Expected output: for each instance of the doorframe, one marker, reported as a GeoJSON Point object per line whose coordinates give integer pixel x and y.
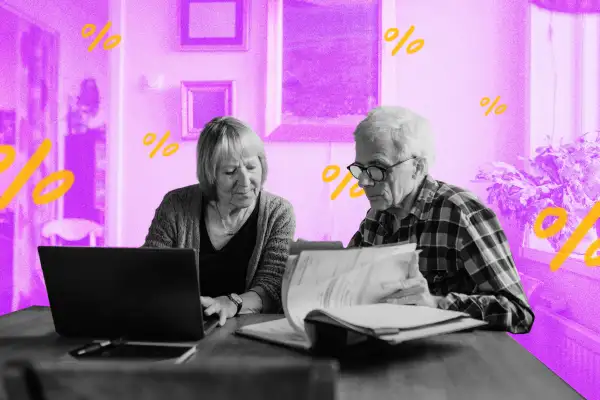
{"type": "Point", "coordinates": [113, 224]}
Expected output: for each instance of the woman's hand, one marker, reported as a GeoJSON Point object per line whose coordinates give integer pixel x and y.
{"type": "Point", "coordinates": [219, 305]}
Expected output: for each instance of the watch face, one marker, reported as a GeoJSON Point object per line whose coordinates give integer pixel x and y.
{"type": "Point", "coordinates": [236, 298]}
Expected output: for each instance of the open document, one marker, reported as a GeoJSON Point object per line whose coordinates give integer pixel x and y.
{"type": "Point", "coordinates": [343, 288]}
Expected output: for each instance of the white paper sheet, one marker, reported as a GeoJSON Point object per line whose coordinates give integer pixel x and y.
{"type": "Point", "coordinates": [326, 279]}
{"type": "Point", "coordinates": [448, 327]}
{"type": "Point", "coordinates": [391, 316]}
{"type": "Point", "coordinates": [277, 331]}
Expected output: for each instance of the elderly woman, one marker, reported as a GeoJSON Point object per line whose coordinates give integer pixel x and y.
{"type": "Point", "coordinates": [465, 263]}
{"type": "Point", "coordinates": [245, 230]}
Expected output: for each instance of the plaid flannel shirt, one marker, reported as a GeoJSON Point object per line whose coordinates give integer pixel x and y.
{"type": "Point", "coordinates": [465, 256]}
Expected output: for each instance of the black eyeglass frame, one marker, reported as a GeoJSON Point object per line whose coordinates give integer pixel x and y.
{"type": "Point", "coordinates": [384, 170]}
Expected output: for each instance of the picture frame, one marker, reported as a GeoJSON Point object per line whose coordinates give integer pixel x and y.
{"type": "Point", "coordinates": [284, 85]}
{"type": "Point", "coordinates": [202, 101]}
{"type": "Point", "coordinates": [214, 25]}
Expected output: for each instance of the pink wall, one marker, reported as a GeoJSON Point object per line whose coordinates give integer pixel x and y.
{"type": "Point", "coordinates": [483, 45]}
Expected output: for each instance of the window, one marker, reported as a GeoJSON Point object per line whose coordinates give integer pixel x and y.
{"type": "Point", "coordinates": [326, 67]}
{"type": "Point", "coordinates": [564, 86]}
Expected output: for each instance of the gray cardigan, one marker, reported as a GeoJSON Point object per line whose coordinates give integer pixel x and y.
{"type": "Point", "coordinates": [176, 223]}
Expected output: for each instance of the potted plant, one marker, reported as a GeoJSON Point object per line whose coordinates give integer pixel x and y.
{"type": "Point", "coordinates": [566, 176]}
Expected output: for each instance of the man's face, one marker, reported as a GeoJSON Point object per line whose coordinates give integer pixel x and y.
{"type": "Point", "coordinates": [399, 181]}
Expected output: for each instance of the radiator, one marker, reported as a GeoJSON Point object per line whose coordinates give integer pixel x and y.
{"type": "Point", "coordinates": [567, 348]}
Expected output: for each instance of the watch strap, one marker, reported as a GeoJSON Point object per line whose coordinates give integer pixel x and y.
{"type": "Point", "coordinates": [236, 302]}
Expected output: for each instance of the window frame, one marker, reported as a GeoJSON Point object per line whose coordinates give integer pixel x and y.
{"type": "Point", "coordinates": [574, 264]}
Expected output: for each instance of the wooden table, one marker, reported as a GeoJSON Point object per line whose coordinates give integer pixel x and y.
{"type": "Point", "coordinates": [462, 366]}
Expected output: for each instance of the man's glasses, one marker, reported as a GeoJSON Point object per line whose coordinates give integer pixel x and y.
{"type": "Point", "coordinates": [374, 172]}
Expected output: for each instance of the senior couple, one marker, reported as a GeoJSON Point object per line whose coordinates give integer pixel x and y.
{"type": "Point", "coordinates": [465, 263]}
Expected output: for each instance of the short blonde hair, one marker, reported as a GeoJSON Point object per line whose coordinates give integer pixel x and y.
{"type": "Point", "coordinates": [410, 132]}
{"type": "Point", "coordinates": [220, 137]}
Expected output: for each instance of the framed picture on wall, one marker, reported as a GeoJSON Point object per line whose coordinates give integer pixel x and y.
{"type": "Point", "coordinates": [322, 100]}
{"type": "Point", "coordinates": [202, 101]}
{"type": "Point", "coordinates": [214, 25]}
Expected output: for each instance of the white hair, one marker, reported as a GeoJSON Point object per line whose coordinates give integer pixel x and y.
{"type": "Point", "coordinates": [410, 132]}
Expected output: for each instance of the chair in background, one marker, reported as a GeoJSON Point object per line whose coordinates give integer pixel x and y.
{"type": "Point", "coordinates": [72, 229]}
{"type": "Point", "coordinates": [215, 379]}
{"type": "Point", "coordinates": [300, 245]}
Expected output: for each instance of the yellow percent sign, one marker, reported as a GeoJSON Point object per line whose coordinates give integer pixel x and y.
{"type": "Point", "coordinates": [497, 110]}
{"type": "Point", "coordinates": [414, 46]}
{"type": "Point", "coordinates": [331, 173]}
{"type": "Point", "coordinates": [150, 138]}
{"type": "Point", "coordinates": [26, 173]}
{"type": "Point", "coordinates": [570, 245]}
{"type": "Point", "coordinates": [110, 43]}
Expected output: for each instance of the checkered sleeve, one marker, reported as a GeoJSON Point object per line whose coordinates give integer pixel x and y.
{"type": "Point", "coordinates": [367, 231]}
{"type": "Point", "coordinates": [499, 298]}
{"type": "Point", "coordinates": [356, 240]}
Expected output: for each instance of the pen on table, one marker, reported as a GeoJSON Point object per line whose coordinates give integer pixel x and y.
{"type": "Point", "coordinates": [95, 346]}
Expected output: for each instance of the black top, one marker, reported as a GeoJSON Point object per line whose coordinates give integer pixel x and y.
{"type": "Point", "coordinates": [224, 271]}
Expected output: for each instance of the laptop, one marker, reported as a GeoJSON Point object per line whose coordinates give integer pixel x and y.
{"type": "Point", "coordinates": [137, 294]}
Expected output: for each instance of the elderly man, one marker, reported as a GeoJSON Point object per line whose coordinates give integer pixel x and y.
{"type": "Point", "coordinates": [465, 263]}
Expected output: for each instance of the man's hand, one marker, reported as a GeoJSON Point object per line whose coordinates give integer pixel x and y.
{"type": "Point", "coordinates": [414, 290]}
{"type": "Point", "coordinates": [219, 305]}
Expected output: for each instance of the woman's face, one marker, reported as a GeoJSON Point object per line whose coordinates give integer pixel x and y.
{"type": "Point", "coordinates": [239, 178]}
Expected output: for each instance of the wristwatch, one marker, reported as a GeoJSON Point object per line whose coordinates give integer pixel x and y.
{"type": "Point", "coordinates": [237, 300]}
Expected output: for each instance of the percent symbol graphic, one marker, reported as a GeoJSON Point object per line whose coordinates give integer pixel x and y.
{"type": "Point", "coordinates": [167, 151]}
{"type": "Point", "coordinates": [331, 173]}
{"type": "Point", "coordinates": [110, 43]}
{"type": "Point", "coordinates": [499, 110]}
{"type": "Point", "coordinates": [414, 46]}
{"type": "Point", "coordinates": [571, 244]}
{"type": "Point", "coordinates": [26, 173]}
